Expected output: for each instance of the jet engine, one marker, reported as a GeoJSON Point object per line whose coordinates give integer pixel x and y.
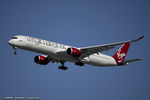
{"type": "Point", "coordinates": [74, 52]}
{"type": "Point", "coordinates": [43, 60]}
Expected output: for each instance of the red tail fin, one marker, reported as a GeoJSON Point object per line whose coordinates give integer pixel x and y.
{"type": "Point", "coordinates": [120, 55]}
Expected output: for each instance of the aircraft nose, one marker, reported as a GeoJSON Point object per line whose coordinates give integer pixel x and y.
{"type": "Point", "coordinates": [10, 42]}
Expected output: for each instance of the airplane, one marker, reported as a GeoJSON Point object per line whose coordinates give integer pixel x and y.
{"type": "Point", "coordinates": [60, 53]}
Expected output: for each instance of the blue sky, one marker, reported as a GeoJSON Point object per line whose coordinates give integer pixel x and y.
{"type": "Point", "coordinates": [77, 23]}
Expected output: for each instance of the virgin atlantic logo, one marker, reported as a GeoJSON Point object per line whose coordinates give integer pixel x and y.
{"type": "Point", "coordinates": [120, 55]}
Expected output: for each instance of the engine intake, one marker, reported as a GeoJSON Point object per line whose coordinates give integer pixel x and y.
{"type": "Point", "coordinates": [74, 52]}
{"type": "Point", "coordinates": [41, 60]}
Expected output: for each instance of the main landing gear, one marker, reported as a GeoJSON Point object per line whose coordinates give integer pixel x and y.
{"type": "Point", "coordinates": [79, 63]}
{"type": "Point", "coordinates": [15, 50]}
{"type": "Point", "coordinates": [62, 67]}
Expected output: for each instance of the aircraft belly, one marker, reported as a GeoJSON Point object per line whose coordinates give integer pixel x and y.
{"type": "Point", "coordinates": [67, 58]}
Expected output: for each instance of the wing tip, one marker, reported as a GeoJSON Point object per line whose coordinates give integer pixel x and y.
{"type": "Point", "coordinates": [141, 58]}
{"type": "Point", "coordinates": [141, 37]}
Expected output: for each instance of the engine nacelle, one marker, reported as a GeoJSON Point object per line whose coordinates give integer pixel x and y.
{"type": "Point", "coordinates": [41, 60]}
{"type": "Point", "coordinates": [74, 52]}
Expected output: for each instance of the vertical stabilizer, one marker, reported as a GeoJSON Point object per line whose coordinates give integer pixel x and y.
{"type": "Point", "coordinates": [120, 55]}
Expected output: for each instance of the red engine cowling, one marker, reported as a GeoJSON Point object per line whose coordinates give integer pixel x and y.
{"type": "Point", "coordinates": [74, 52]}
{"type": "Point", "coordinates": [41, 60]}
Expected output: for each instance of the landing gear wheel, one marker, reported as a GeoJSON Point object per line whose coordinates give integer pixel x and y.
{"type": "Point", "coordinates": [79, 63]}
{"type": "Point", "coordinates": [15, 52]}
{"type": "Point", "coordinates": [63, 67]}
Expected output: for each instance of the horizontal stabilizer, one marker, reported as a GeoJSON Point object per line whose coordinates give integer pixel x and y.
{"type": "Point", "coordinates": [132, 60]}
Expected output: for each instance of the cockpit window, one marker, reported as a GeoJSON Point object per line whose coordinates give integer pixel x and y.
{"type": "Point", "coordinates": [14, 38]}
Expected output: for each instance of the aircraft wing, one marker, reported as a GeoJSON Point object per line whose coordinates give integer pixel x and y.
{"type": "Point", "coordinates": [87, 51]}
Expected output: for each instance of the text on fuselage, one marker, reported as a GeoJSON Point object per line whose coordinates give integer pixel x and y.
{"type": "Point", "coordinates": [44, 42]}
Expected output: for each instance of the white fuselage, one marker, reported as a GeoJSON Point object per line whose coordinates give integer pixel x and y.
{"type": "Point", "coordinates": [57, 51]}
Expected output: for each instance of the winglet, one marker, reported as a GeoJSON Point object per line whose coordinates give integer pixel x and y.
{"type": "Point", "coordinates": [137, 39]}
{"type": "Point", "coordinates": [141, 37]}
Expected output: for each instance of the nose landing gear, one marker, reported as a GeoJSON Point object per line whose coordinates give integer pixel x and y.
{"type": "Point", "coordinates": [15, 50]}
